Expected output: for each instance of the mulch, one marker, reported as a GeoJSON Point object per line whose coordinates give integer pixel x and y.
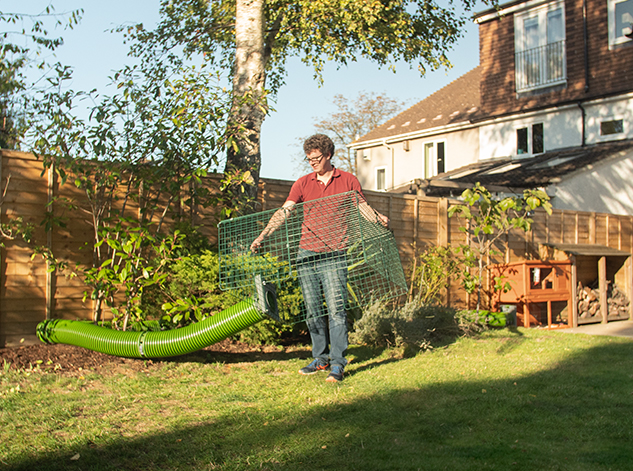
{"type": "Point", "coordinates": [71, 360]}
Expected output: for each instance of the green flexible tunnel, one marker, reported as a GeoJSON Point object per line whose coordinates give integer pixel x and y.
{"type": "Point", "coordinates": [164, 343]}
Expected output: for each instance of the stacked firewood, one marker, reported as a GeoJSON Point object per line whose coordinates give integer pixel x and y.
{"type": "Point", "coordinates": [589, 301]}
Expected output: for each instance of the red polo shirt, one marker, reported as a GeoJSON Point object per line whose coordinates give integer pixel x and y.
{"type": "Point", "coordinates": [324, 227]}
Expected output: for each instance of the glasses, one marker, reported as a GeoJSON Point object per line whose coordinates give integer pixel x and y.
{"type": "Point", "coordinates": [314, 159]}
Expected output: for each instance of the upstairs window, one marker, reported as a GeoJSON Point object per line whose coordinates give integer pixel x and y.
{"type": "Point", "coordinates": [434, 159]}
{"type": "Point", "coordinates": [540, 58]}
{"type": "Point", "coordinates": [620, 21]}
{"type": "Point", "coordinates": [381, 179]}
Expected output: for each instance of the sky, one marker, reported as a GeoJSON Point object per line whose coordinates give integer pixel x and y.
{"type": "Point", "coordinates": [94, 53]}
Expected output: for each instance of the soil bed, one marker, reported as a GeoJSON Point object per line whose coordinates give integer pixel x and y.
{"type": "Point", "coordinates": [68, 359]}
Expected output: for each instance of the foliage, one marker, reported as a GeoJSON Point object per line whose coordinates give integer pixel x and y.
{"type": "Point", "coordinates": [193, 293]}
{"type": "Point", "coordinates": [490, 219]}
{"type": "Point", "coordinates": [411, 327]}
{"type": "Point", "coordinates": [352, 119]}
{"type": "Point", "coordinates": [20, 48]}
{"type": "Point", "coordinates": [340, 31]}
{"type": "Point", "coordinates": [234, 200]}
{"type": "Point", "coordinates": [439, 266]}
{"type": "Point", "coordinates": [254, 40]}
{"type": "Point", "coordinates": [150, 145]}
{"type": "Point", "coordinates": [138, 261]}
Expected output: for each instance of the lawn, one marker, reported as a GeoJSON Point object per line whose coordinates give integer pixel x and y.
{"type": "Point", "coordinates": [504, 400]}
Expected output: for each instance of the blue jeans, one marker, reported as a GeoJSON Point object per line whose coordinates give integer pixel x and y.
{"type": "Point", "coordinates": [324, 276]}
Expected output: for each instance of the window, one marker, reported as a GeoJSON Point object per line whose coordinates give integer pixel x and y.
{"type": "Point", "coordinates": [440, 158]}
{"type": "Point", "coordinates": [537, 140]}
{"type": "Point", "coordinates": [540, 59]}
{"type": "Point", "coordinates": [381, 178]}
{"type": "Point", "coordinates": [620, 21]}
{"type": "Point", "coordinates": [434, 158]}
{"type": "Point", "coordinates": [615, 126]}
{"type": "Point", "coordinates": [522, 141]}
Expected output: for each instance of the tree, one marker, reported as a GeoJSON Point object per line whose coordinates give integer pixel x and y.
{"type": "Point", "coordinates": [149, 144]}
{"type": "Point", "coordinates": [490, 219]}
{"type": "Point", "coordinates": [16, 58]}
{"type": "Point", "coordinates": [352, 119]}
{"type": "Point", "coordinates": [254, 38]}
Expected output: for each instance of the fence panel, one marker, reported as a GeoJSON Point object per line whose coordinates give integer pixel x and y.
{"type": "Point", "coordinates": [28, 293]}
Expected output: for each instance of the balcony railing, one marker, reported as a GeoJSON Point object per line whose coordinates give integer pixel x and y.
{"type": "Point", "coordinates": [541, 67]}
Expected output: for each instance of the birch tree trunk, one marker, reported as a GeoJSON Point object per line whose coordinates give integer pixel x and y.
{"type": "Point", "coordinates": [248, 111]}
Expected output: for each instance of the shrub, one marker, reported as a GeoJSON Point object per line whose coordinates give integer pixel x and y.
{"type": "Point", "coordinates": [438, 266]}
{"type": "Point", "coordinates": [193, 290]}
{"type": "Point", "coordinates": [194, 294]}
{"type": "Point", "coordinates": [412, 327]}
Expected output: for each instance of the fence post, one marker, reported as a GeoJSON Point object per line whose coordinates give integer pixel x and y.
{"type": "Point", "coordinates": [264, 208]}
{"type": "Point", "coordinates": [592, 228]}
{"type": "Point", "coordinates": [50, 292]}
{"type": "Point", "coordinates": [602, 286]}
{"type": "Point", "coordinates": [574, 295]}
{"type": "Point", "coordinates": [442, 222]}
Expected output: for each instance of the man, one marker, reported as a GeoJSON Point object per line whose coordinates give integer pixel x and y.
{"type": "Point", "coordinates": [321, 263]}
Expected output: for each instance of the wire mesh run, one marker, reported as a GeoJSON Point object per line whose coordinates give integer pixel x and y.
{"type": "Point", "coordinates": [331, 253]}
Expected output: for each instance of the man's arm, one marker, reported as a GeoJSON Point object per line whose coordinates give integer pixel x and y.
{"type": "Point", "coordinates": [279, 217]}
{"type": "Point", "coordinates": [372, 215]}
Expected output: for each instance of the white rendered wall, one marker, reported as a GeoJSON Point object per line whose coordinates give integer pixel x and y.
{"type": "Point", "coordinates": [606, 110]}
{"type": "Point", "coordinates": [561, 128]}
{"type": "Point", "coordinates": [606, 187]}
{"type": "Point", "coordinates": [402, 166]}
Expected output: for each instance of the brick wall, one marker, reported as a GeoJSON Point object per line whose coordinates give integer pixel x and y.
{"type": "Point", "coordinates": [609, 71]}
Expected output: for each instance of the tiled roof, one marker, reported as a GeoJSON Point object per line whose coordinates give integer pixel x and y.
{"type": "Point", "coordinates": [518, 174]}
{"type": "Point", "coordinates": [457, 102]}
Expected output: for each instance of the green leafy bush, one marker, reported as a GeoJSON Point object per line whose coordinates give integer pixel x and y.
{"type": "Point", "coordinates": [484, 318]}
{"type": "Point", "coordinates": [193, 294]}
{"type": "Point", "coordinates": [438, 266]}
{"type": "Point", "coordinates": [193, 290]}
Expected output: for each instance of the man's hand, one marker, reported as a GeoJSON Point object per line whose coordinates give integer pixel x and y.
{"type": "Point", "coordinates": [257, 243]}
{"type": "Point", "coordinates": [384, 220]}
{"type": "Point", "coordinates": [277, 220]}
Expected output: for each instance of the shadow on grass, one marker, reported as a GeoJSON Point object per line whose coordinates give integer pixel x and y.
{"type": "Point", "coordinates": [577, 415]}
{"type": "Point", "coordinates": [359, 353]}
{"type": "Point", "coordinates": [204, 356]}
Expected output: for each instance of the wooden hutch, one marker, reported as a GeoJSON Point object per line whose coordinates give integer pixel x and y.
{"type": "Point", "coordinates": [564, 274]}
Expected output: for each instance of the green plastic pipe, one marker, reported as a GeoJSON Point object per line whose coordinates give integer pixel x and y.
{"type": "Point", "coordinates": [165, 343]}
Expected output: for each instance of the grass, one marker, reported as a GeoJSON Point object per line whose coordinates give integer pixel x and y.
{"type": "Point", "coordinates": [505, 400]}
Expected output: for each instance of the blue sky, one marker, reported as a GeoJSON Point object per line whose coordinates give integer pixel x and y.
{"type": "Point", "coordinates": [94, 53]}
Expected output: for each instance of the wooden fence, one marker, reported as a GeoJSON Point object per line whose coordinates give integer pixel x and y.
{"type": "Point", "coordinates": [30, 293]}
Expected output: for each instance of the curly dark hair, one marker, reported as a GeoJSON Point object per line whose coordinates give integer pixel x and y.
{"type": "Point", "coordinates": [319, 142]}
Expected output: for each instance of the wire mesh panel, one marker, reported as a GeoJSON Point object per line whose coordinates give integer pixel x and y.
{"type": "Point", "coordinates": [330, 253]}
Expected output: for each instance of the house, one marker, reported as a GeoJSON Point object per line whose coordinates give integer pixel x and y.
{"type": "Point", "coordinates": [550, 105]}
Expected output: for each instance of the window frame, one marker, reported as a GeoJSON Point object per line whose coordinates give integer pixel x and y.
{"type": "Point", "coordinates": [529, 130]}
{"type": "Point", "coordinates": [616, 135]}
{"type": "Point", "coordinates": [614, 40]}
{"type": "Point", "coordinates": [543, 66]}
{"type": "Point", "coordinates": [382, 169]}
{"type": "Point", "coordinates": [434, 159]}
